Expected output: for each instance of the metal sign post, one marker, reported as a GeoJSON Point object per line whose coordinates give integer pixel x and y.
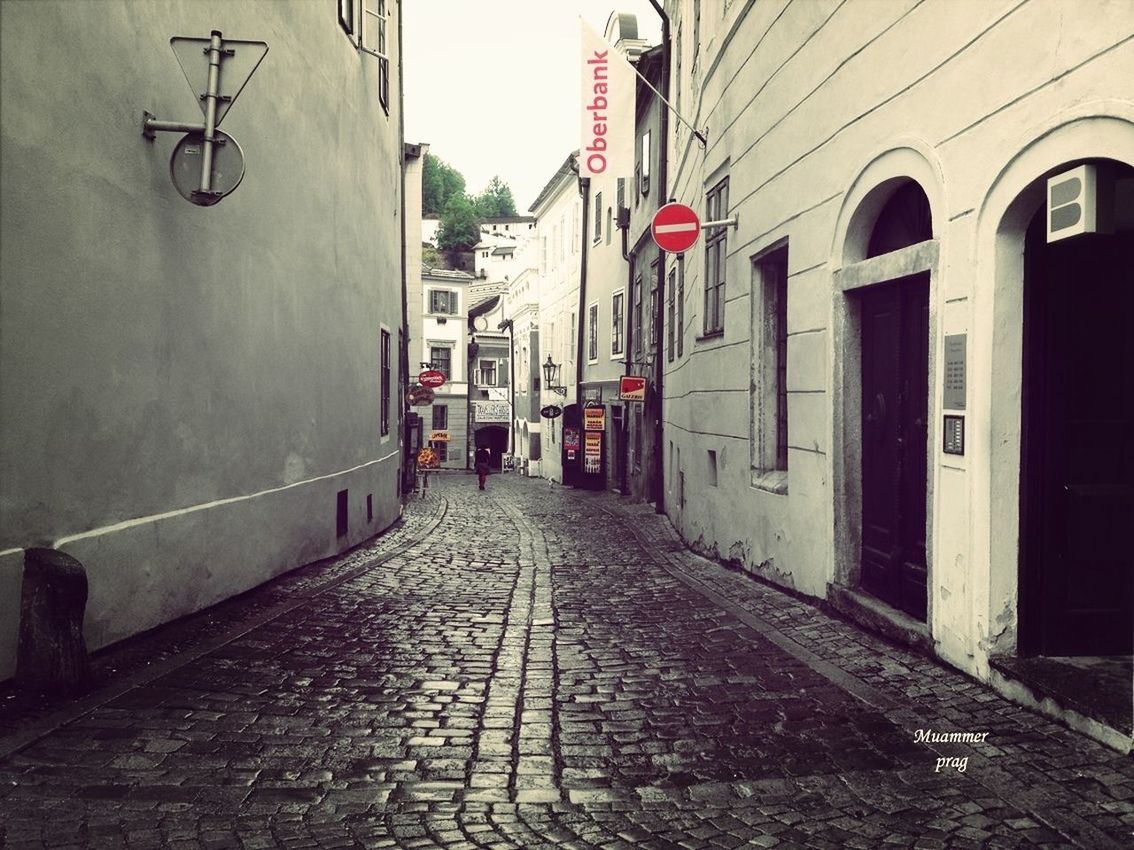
{"type": "Point", "coordinates": [217, 176]}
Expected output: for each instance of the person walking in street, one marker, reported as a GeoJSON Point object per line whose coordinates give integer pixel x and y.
{"type": "Point", "coordinates": [483, 458]}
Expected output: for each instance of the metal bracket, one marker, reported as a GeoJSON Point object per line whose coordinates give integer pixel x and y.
{"type": "Point", "coordinates": [733, 222]}
{"type": "Point", "coordinates": [151, 126]}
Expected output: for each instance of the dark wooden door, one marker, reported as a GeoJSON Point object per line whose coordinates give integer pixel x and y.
{"type": "Point", "coordinates": [895, 403]}
{"type": "Point", "coordinates": [1077, 562]}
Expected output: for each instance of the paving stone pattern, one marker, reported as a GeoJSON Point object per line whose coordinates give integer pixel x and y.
{"type": "Point", "coordinates": [533, 667]}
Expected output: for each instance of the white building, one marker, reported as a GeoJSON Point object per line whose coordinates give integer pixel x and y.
{"type": "Point", "coordinates": [558, 211]}
{"type": "Point", "coordinates": [887, 334]}
{"type": "Point", "coordinates": [194, 398]}
{"type": "Point", "coordinates": [443, 345]}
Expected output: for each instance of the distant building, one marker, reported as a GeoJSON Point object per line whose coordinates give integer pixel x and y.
{"type": "Point", "coordinates": [443, 345]}
{"type": "Point", "coordinates": [194, 399]}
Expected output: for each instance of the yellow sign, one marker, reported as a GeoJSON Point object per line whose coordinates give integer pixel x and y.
{"type": "Point", "coordinates": [438, 436]}
{"type": "Point", "coordinates": [594, 418]}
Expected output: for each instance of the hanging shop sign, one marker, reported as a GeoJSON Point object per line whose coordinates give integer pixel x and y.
{"type": "Point", "coordinates": [438, 436]}
{"type": "Point", "coordinates": [428, 459]}
{"type": "Point", "coordinates": [551, 411]}
{"type": "Point", "coordinates": [594, 418]}
{"type": "Point", "coordinates": [431, 378]}
{"type": "Point", "coordinates": [632, 388]}
{"type": "Point", "coordinates": [492, 411]}
{"type": "Point", "coordinates": [417, 395]}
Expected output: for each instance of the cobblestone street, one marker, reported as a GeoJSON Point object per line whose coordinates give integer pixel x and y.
{"type": "Point", "coordinates": [532, 667]}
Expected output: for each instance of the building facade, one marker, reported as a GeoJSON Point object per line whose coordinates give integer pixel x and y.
{"type": "Point", "coordinates": [195, 398]}
{"type": "Point", "coordinates": [443, 345]}
{"type": "Point", "coordinates": [558, 214]}
{"type": "Point", "coordinates": [521, 319]}
{"type": "Point", "coordinates": [910, 416]}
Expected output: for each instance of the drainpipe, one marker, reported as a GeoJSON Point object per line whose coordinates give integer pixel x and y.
{"type": "Point", "coordinates": [511, 386]}
{"type": "Point", "coordinates": [624, 461]}
{"type": "Point", "coordinates": [585, 191]}
{"type": "Point", "coordinates": [403, 354]}
{"type": "Point", "coordinates": [663, 158]}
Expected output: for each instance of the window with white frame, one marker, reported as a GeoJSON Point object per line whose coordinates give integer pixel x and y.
{"type": "Point", "coordinates": [592, 332]}
{"type": "Point", "coordinates": [442, 301]}
{"type": "Point", "coordinates": [385, 404]}
{"type": "Point", "coordinates": [441, 356]}
{"type": "Point", "coordinates": [671, 325]}
{"type": "Point", "coordinates": [617, 322]}
{"type": "Point", "coordinates": [716, 209]}
{"type": "Point", "coordinates": [644, 174]}
{"type": "Point", "coordinates": [769, 364]}
{"type": "Point", "coordinates": [487, 373]}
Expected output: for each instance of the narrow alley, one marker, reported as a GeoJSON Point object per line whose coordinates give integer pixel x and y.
{"type": "Point", "coordinates": [534, 667]}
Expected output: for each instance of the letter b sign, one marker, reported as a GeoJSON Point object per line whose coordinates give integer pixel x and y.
{"type": "Point", "coordinates": [1072, 203]}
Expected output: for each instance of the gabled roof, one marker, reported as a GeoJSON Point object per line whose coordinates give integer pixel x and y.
{"type": "Point", "coordinates": [569, 166]}
{"type": "Point", "coordinates": [447, 274]}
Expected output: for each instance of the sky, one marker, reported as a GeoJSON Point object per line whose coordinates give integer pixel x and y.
{"type": "Point", "coordinates": [492, 86]}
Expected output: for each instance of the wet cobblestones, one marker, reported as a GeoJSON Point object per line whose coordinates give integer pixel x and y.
{"type": "Point", "coordinates": [532, 668]}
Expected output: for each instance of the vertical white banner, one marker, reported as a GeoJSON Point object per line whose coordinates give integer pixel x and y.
{"type": "Point", "coordinates": [606, 146]}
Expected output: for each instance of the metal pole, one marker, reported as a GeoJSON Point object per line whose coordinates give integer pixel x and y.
{"type": "Point", "coordinates": [211, 93]}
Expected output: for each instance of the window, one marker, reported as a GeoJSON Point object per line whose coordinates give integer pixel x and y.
{"type": "Point", "coordinates": [383, 59]}
{"type": "Point", "coordinates": [616, 323]}
{"type": "Point", "coordinates": [621, 193]}
{"type": "Point", "coordinates": [442, 301]}
{"type": "Point", "coordinates": [598, 217]}
{"type": "Point", "coordinates": [712, 468]}
{"type": "Point", "coordinates": [636, 325]}
{"type": "Point", "coordinates": [442, 360]}
{"type": "Point", "coordinates": [385, 383]}
{"type": "Point", "coordinates": [680, 303]}
{"type": "Point", "coordinates": [574, 228]}
{"type": "Point", "coordinates": [487, 373]}
{"type": "Point", "coordinates": [609, 224]}
{"type": "Point", "coordinates": [769, 366]}
{"type": "Point", "coordinates": [592, 333]}
{"type": "Point", "coordinates": [644, 180]}
{"type": "Point", "coordinates": [672, 313]}
{"type": "Point", "coordinates": [346, 16]}
{"type": "Point", "coordinates": [442, 449]}
{"type": "Point", "coordinates": [440, 417]}
{"type": "Point", "coordinates": [655, 271]}
{"type": "Point", "coordinates": [716, 208]}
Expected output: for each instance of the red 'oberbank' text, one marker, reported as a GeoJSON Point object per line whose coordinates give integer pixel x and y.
{"type": "Point", "coordinates": [596, 159]}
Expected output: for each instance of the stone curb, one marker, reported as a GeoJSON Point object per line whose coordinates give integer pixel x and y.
{"type": "Point", "coordinates": [13, 743]}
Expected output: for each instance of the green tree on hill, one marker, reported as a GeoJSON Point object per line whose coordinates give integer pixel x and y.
{"type": "Point", "coordinates": [439, 182]}
{"type": "Point", "coordinates": [460, 225]}
{"type": "Point", "coordinates": [495, 201]}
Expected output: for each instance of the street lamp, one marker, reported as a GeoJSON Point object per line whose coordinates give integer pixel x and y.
{"type": "Point", "coordinates": [550, 376]}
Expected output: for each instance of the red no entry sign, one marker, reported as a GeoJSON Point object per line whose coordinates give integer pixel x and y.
{"type": "Point", "coordinates": [675, 228]}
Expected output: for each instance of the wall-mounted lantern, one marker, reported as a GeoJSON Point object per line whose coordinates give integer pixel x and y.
{"type": "Point", "coordinates": [551, 378]}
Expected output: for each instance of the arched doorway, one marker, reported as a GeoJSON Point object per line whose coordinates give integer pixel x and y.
{"type": "Point", "coordinates": [893, 320]}
{"type": "Point", "coordinates": [1077, 452]}
{"type": "Point", "coordinates": [495, 439]}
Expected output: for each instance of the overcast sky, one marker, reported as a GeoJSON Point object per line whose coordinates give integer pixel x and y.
{"type": "Point", "coordinates": [493, 86]}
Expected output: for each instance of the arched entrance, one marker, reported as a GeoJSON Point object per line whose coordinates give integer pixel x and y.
{"type": "Point", "coordinates": [894, 344]}
{"type": "Point", "coordinates": [1077, 452]}
{"type": "Point", "coordinates": [495, 439]}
